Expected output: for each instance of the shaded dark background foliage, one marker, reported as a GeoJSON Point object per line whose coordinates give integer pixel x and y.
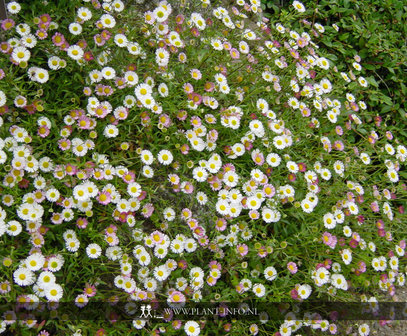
{"type": "Point", "coordinates": [376, 31]}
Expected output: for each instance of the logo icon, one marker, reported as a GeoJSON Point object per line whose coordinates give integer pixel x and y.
{"type": "Point", "coordinates": [146, 311]}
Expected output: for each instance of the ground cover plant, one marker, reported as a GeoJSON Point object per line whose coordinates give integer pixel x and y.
{"type": "Point", "coordinates": [190, 152]}
{"type": "Point", "coordinates": [375, 31]}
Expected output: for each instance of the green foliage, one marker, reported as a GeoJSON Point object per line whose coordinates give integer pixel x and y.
{"type": "Point", "coordinates": [188, 154]}
{"type": "Point", "coordinates": [375, 31]}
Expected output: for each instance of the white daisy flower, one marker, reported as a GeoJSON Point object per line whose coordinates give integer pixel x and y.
{"type": "Point", "coordinates": [217, 44]}
{"type": "Point", "coordinates": [177, 246]}
{"type": "Point", "coordinates": [199, 174]}
{"type": "Point", "coordinates": [392, 175]}
{"type": "Point", "coordinates": [20, 54]}
{"type": "Point", "coordinates": [23, 276]}
{"type": "Point", "coordinates": [111, 131]}
{"type": "Point", "coordinates": [364, 329]}
{"type": "Point", "coordinates": [273, 159]}
{"type": "Point", "coordinates": [163, 90]}
{"type": "Point", "coordinates": [75, 52]}
{"type": "Point", "coordinates": [134, 189]}
{"type": "Point", "coordinates": [307, 206]}
{"type": "Point", "coordinates": [3, 98]}
{"type": "Point", "coordinates": [13, 7]}
{"type": "Point", "coordinates": [160, 252]}
{"type": "Point", "coordinates": [162, 56]}
{"type": "Point", "coordinates": [55, 263]}
{"type": "Point", "coordinates": [84, 14]}
{"type": "Point", "coordinates": [192, 328]}
{"type": "Point", "coordinates": [29, 41]}
{"type": "Point", "coordinates": [148, 171]}
{"type": "Point", "coordinates": [231, 179]}
{"type": "Point", "coordinates": [45, 279]}
{"type": "Point", "coordinates": [133, 48]}
{"type": "Point", "coordinates": [169, 214]}
{"type": "Point", "coordinates": [72, 244]}
{"type": "Point", "coordinates": [13, 228]}
{"type": "Point", "coordinates": [304, 291]}
{"type": "Point", "coordinates": [54, 292]}
{"type": "Point", "coordinates": [93, 251]}
{"type": "Point", "coordinates": [329, 221]}
{"type": "Point", "coordinates": [323, 63]}
{"type": "Point", "coordinates": [108, 73]}
{"type": "Point", "coordinates": [143, 90]}
{"type": "Point", "coordinates": [259, 290]}
{"type": "Point", "coordinates": [161, 273]}
{"type": "Point", "coordinates": [201, 198]}
{"type": "Point", "coordinates": [161, 13]}
{"type": "Point", "coordinates": [270, 273]}
{"type": "Point", "coordinates": [118, 6]}
{"type": "Point", "coordinates": [190, 245]}
{"type": "Point", "coordinates": [35, 261]}
{"type": "Point", "coordinates": [165, 157]}
{"type": "Point", "coordinates": [346, 256]}
{"type": "Point", "coordinates": [75, 28]}
{"type": "Point", "coordinates": [107, 21]}
{"type": "Point", "coordinates": [319, 27]}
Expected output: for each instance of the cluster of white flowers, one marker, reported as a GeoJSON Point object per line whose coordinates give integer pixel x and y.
{"type": "Point", "coordinates": [246, 163]}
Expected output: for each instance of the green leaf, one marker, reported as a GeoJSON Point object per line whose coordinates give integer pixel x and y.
{"type": "Point", "coordinates": [276, 8]}
{"type": "Point", "coordinates": [362, 130]}
{"type": "Point", "coordinates": [371, 80]}
{"type": "Point", "coordinates": [332, 57]}
{"type": "Point", "coordinates": [369, 66]}
{"type": "Point", "coordinates": [386, 108]}
{"type": "Point", "coordinates": [387, 100]}
{"type": "Point", "coordinates": [403, 173]}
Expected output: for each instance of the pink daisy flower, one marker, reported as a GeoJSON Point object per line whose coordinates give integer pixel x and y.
{"type": "Point", "coordinates": [212, 135]}
{"type": "Point", "coordinates": [58, 39]}
{"type": "Point", "coordinates": [7, 24]}
{"type": "Point", "coordinates": [182, 115]}
{"type": "Point", "coordinates": [5, 47]}
{"type": "Point", "coordinates": [81, 222]}
{"type": "Point", "coordinates": [187, 187]}
{"type": "Point", "coordinates": [196, 74]}
{"type": "Point", "coordinates": [196, 98]}
{"type": "Point", "coordinates": [177, 324]}
{"type": "Point", "coordinates": [227, 46]}
{"type": "Point", "coordinates": [165, 120]}
{"type": "Point", "coordinates": [157, 237]}
{"type": "Point", "coordinates": [196, 121]}
{"type": "Point", "coordinates": [234, 53]}
{"type": "Point", "coordinates": [203, 241]}
{"type": "Point", "coordinates": [104, 197]}
{"type": "Point", "coordinates": [99, 41]}
{"type": "Point", "coordinates": [179, 19]}
{"type": "Point", "coordinates": [5, 287]}
{"type": "Point", "coordinates": [199, 231]}
{"type": "Point", "coordinates": [71, 169]}
{"type": "Point", "coordinates": [209, 86]}
{"type": "Point", "coordinates": [43, 131]}
{"type": "Point", "coordinates": [239, 288]}
{"type": "Point", "coordinates": [147, 210]}
{"type": "Point", "coordinates": [176, 297]}
{"type": "Point", "coordinates": [258, 157]}
{"type": "Point", "coordinates": [338, 145]}
{"type": "Point", "coordinates": [188, 88]}
{"type": "Point", "coordinates": [242, 249]}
